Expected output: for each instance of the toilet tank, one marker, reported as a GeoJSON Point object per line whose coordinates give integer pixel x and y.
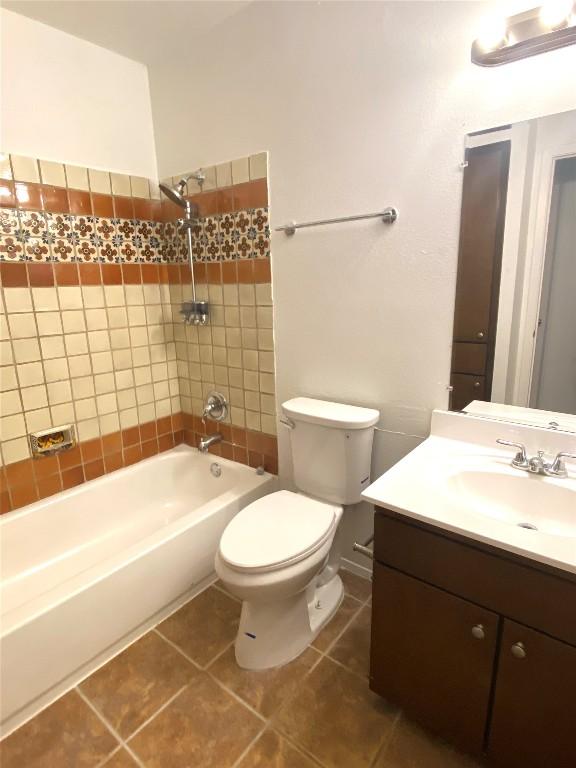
{"type": "Point", "coordinates": [331, 447]}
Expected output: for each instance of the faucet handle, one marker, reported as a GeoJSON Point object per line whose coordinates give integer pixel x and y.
{"type": "Point", "coordinates": [521, 459]}
{"type": "Point", "coordinates": [557, 468]}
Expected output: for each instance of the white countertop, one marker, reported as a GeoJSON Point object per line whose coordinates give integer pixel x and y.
{"type": "Point", "coordinates": [469, 487]}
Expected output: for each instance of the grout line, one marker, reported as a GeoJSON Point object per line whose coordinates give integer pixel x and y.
{"type": "Point", "coordinates": [212, 677]}
{"type": "Point", "coordinates": [155, 715]}
{"type": "Point", "coordinates": [386, 740]}
{"type": "Point", "coordinates": [249, 747]}
{"type": "Point", "coordinates": [112, 730]}
{"type": "Point", "coordinates": [109, 757]}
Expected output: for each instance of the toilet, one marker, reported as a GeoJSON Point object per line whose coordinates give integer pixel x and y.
{"type": "Point", "coordinates": [280, 555]}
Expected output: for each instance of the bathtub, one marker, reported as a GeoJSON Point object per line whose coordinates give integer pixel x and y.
{"type": "Point", "coordinates": [86, 572]}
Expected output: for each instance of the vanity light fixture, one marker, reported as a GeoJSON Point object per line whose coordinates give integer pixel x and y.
{"type": "Point", "coordinates": [502, 40]}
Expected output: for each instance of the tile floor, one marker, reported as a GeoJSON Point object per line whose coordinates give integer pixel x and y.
{"type": "Point", "coordinates": [177, 699]}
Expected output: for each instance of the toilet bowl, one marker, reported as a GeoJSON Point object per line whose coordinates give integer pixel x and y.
{"type": "Point", "coordinates": [280, 555]}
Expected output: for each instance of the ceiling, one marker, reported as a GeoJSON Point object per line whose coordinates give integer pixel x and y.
{"type": "Point", "coordinates": [140, 29]}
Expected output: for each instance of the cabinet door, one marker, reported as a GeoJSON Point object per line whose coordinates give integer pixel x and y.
{"type": "Point", "coordinates": [534, 715]}
{"type": "Point", "coordinates": [481, 235]}
{"type": "Point", "coordinates": [466, 388]}
{"type": "Point", "coordinates": [433, 653]}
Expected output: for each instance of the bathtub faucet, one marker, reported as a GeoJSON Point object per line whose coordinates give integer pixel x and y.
{"type": "Point", "coordinates": [207, 441]}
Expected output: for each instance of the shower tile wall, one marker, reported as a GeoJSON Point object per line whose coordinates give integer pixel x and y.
{"type": "Point", "coordinates": [93, 271]}
{"type": "Point", "coordinates": [234, 353]}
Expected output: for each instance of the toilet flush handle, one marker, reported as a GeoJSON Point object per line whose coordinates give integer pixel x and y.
{"type": "Point", "coordinates": [287, 422]}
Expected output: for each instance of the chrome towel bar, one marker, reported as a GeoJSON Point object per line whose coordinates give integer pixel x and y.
{"type": "Point", "coordinates": [388, 216]}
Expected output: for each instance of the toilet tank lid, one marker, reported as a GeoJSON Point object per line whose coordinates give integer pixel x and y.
{"type": "Point", "coordinates": [337, 415]}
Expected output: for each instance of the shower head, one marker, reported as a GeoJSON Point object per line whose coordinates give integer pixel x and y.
{"type": "Point", "coordinates": [174, 194]}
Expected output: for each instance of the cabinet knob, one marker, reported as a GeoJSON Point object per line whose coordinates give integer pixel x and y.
{"type": "Point", "coordinates": [480, 335]}
{"type": "Point", "coordinates": [478, 632]}
{"type": "Point", "coordinates": [518, 651]}
{"type": "Point", "coordinates": [476, 385]}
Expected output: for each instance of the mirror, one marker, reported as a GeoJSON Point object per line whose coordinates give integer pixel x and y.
{"type": "Point", "coordinates": [514, 339]}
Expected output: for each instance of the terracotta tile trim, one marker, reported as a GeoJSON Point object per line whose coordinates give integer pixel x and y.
{"type": "Point", "coordinates": [29, 480]}
{"type": "Point", "coordinates": [23, 274]}
{"type": "Point", "coordinates": [24, 482]}
{"type": "Point", "coordinates": [256, 449]}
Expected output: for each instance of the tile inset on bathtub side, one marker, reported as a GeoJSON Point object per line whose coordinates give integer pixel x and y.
{"type": "Point", "coordinates": [204, 727]}
{"type": "Point", "coordinates": [67, 734]}
{"type": "Point", "coordinates": [134, 685]}
{"type": "Point", "coordinates": [204, 626]}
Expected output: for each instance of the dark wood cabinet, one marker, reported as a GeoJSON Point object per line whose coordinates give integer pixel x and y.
{"type": "Point", "coordinates": [479, 267]}
{"type": "Point", "coordinates": [439, 654]}
{"type": "Point", "coordinates": [477, 644]}
{"type": "Point", "coordinates": [533, 719]}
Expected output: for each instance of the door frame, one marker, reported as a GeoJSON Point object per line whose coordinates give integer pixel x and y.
{"type": "Point", "coordinates": [536, 245]}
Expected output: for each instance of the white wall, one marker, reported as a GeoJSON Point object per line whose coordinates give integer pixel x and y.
{"type": "Point", "coordinates": [68, 100]}
{"type": "Point", "coordinates": [361, 105]}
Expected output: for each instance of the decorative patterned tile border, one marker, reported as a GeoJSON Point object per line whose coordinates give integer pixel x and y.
{"type": "Point", "coordinates": [40, 236]}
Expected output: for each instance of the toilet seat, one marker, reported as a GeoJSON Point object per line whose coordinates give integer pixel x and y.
{"type": "Point", "coordinates": [277, 530]}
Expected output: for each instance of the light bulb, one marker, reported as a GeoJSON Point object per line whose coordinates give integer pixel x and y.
{"type": "Point", "coordinates": [556, 14]}
{"type": "Point", "coordinates": [493, 33]}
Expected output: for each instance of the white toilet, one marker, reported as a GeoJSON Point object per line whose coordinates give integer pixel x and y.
{"type": "Point", "coordinates": [280, 554]}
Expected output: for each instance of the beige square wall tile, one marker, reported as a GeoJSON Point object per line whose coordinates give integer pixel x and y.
{"type": "Point", "coordinates": [109, 423]}
{"type": "Point", "coordinates": [73, 320]}
{"type": "Point", "coordinates": [77, 177]}
{"type": "Point", "coordinates": [80, 365]}
{"type": "Point", "coordinates": [5, 166]}
{"type": "Point", "coordinates": [45, 299]}
{"type": "Point", "coordinates": [6, 357]}
{"type": "Point", "coordinates": [70, 297]}
{"type": "Point", "coordinates": [34, 397]}
{"type": "Point", "coordinates": [120, 184]}
{"type": "Point", "coordinates": [240, 170]}
{"type": "Point", "coordinates": [18, 299]}
{"type": "Point", "coordinates": [210, 181]}
{"type": "Point", "coordinates": [85, 409]}
{"type": "Point", "coordinates": [258, 166]}
{"type": "Point", "coordinates": [26, 350]}
{"type": "Point", "coordinates": [10, 403]}
{"type": "Point", "coordinates": [52, 173]}
{"type": "Point", "coordinates": [25, 168]}
{"type": "Point", "coordinates": [62, 414]}
{"type": "Point", "coordinates": [12, 427]}
{"type": "Point", "coordinates": [89, 429]}
{"type": "Point", "coordinates": [37, 420]}
{"type": "Point", "coordinates": [59, 392]}
{"type": "Point", "coordinates": [140, 187]}
{"type": "Point", "coordinates": [224, 175]}
{"type": "Point", "coordinates": [99, 181]}
{"type": "Point", "coordinates": [22, 326]}
{"type": "Point", "coordinates": [252, 420]}
{"type": "Point", "coordinates": [268, 424]}
{"type": "Point", "coordinates": [56, 369]}
{"type": "Point", "coordinates": [8, 379]}
{"type": "Point", "coordinates": [15, 450]}
{"type": "Point", "coordinates": [49, 323]}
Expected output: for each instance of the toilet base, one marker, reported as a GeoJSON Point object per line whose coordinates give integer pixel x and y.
{"type": "Point", "coordinates": [272, 634]}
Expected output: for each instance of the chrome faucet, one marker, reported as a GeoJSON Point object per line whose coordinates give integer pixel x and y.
{"type": "Point", "coordinates": [537, 465]}
{"type": "Point", "coordinates": [208, 440]}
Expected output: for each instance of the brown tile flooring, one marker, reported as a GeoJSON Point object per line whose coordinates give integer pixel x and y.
{"type": "Point", "coordinates": [177, 699]}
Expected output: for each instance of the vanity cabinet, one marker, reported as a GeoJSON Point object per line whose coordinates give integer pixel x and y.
{"type": "Point", "coordinates": [476, 644]}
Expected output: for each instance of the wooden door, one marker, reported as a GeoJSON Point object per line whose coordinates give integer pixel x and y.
{"type": "Point", "coordinates": [534, 715]}
{"type": "Point", "coordinates": [433, 653]}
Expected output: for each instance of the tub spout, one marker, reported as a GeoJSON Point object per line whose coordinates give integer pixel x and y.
{"type": "Point", "coordinates": [207, 441]}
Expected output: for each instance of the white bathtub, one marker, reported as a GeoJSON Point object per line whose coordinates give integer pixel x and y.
{"type": "Point", "coordinates": [87, 571]}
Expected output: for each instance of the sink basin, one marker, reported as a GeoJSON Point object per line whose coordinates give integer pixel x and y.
{"type": "Point", "coordinates": [460, 479]}
{"type": "Point", "coordinates": [526, 501]}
